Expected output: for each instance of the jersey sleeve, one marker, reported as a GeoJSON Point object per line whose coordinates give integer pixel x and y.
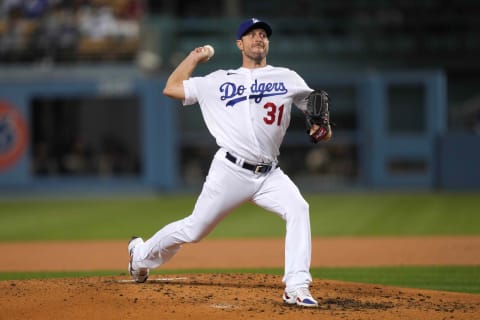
{"type": "Point", "coordinates": [198, 89]}
{"type": "Point", "coordinates": [191, 97]}
{"type": "Point", "coordinates": [301, 92]}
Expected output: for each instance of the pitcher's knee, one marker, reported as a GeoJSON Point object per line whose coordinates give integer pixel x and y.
{"type": "Point", "coordinates": [303, 207]}
{"type": "Point", "coordinates": [196, 232]}
{"type": "Point", "coordinates": [194, 236]}
{"type": "Point", "coordinates": [197, 238]}
{"type": "Point", "coordinates": [299, 211]}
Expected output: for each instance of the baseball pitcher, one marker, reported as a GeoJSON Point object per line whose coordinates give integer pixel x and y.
{"type": "Point", "coordinates": [247, 111]}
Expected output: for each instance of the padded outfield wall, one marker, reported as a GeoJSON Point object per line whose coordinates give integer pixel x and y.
{"type": "Point", "coordinates": [393, 125]}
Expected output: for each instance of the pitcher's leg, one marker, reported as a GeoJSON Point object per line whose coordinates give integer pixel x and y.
{"type": "Point", "coordinates": [164, 244]}
{"type": "Point", "coordinates": [160, 248]}
{"type": "Point", "coordinates": [280, 195]}
{"type": "Point", "coordinates": [222, 191]}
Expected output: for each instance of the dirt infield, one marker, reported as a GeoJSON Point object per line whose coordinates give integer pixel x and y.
{"type": "Point", "coordinates": [225, 296]}
{"type": "Point", "coordinates": [231, 296]}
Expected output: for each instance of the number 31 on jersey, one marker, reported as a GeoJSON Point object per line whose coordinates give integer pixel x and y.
{"type": "Point", "coordinates": [274, 113]}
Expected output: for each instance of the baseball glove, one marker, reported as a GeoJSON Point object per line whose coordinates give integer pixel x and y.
{"type": "Point", "coordinates": [318, 116]}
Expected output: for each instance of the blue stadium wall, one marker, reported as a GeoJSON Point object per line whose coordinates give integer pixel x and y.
{"type": "Point", "coordinates": [448, 161]}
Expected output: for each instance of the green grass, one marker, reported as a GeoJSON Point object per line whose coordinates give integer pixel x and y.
{"type": "Point", "coordinates": [4, 276]}
{"type": "Point", "coordinates": [447, 278]}
{"type": "Point", "coordinates": [372, 214]}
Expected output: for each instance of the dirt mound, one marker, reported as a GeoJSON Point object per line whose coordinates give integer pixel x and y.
{"type": "Point", "coordinates": [230, 296]}
{"type": "Point", "coordinates": [221, 296]}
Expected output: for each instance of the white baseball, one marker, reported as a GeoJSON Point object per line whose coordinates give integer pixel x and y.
{"type": "Point", "coordinates": [210, 50]}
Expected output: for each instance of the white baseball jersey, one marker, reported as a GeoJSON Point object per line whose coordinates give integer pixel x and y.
{"type": "Point", "coordinates": [248, 110]}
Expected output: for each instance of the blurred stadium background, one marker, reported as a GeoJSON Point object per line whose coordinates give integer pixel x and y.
{"type": "Point", "coordinates": [81, 107]}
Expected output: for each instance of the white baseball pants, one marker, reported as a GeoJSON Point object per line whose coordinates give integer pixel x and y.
{"type": "Point", "coordinates": [226, 187]}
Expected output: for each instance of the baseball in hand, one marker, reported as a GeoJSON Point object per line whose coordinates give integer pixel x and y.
{"type": "Point", "coordinates": [209, 50]}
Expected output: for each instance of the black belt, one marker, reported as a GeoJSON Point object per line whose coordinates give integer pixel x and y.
{"type": "Point", "coordinates": [260, 168]}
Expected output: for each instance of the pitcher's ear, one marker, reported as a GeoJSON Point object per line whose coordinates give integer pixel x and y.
{"type": "Point", "coordinates": [240, 45]}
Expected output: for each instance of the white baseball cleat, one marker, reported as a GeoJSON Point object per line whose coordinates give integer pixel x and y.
{"type": "Point", "coordinates": [301, 297]}
{"type": "Point", "coordinates": [139, 275]}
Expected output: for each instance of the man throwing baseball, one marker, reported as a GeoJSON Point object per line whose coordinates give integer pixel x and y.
{"type": "Point", "coordinates": [247, 110]}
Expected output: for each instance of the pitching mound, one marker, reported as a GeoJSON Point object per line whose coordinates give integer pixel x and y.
{"type": "Point", "coordinates": [221, 296]}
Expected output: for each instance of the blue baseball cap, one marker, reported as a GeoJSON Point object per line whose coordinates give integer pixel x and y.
{"type": "Point", "coordinates": [253, 23]}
